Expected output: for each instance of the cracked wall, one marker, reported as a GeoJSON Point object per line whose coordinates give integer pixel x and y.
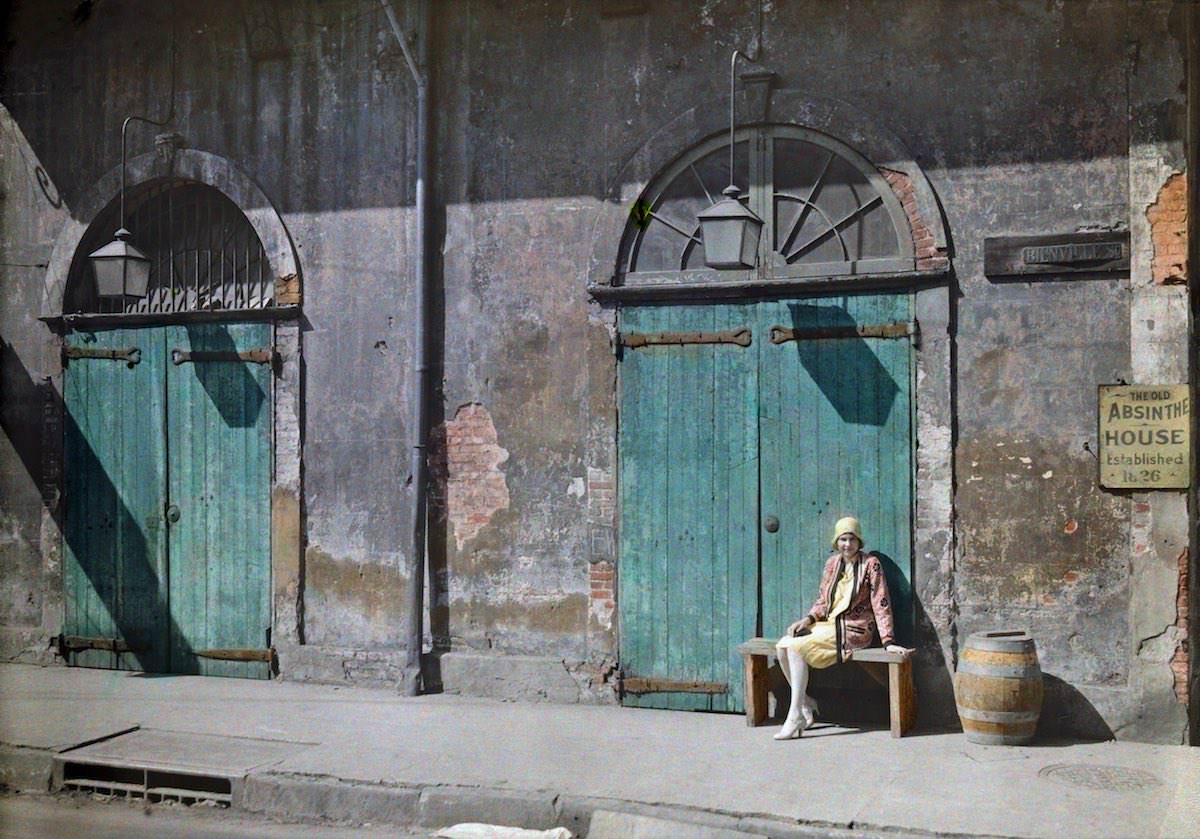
{"type": "Point", "coordinates": [1180, 656]}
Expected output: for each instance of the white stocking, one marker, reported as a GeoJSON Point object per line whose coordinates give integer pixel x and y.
{"type": "Point", "coordinates": [799, 680]}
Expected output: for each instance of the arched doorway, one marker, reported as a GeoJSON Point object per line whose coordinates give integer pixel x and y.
{"type": "Point", "coordinates": [168, 443]}
{"type": "Point", "coordinates": [748, 424]}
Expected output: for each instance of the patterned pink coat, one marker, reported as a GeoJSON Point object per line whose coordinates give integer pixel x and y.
{"type": "Point", "coordinates": [870, 607]}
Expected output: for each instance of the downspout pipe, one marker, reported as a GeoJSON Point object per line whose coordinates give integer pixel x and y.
{"type": "Point", "coordinates": [419, 420]}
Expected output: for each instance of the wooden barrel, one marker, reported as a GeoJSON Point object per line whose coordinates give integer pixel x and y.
{"type": "Point", "coordinates": [998, 688]}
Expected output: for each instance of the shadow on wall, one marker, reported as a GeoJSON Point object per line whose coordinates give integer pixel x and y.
{"type": "Point", "coordinates": [108, 546]}
{"type": "Point", "coordinates": [903, 601]}
{"type": "Point", "coordinates": [21, 403]}
{"type": "Point", "coordinates": [437, 528]}
{"type": "Point", "coordinates": [1067, 712]}
{"type": "Point", "coordinates": [836, 365]}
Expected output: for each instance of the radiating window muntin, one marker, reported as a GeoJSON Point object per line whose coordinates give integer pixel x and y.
{"type": "Point", "coordinates": [827, 210]}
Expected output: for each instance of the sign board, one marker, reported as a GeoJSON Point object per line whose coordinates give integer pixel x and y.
{"type": "Point", "coordinates": [1064, 253]}
{"type": "Point", "coordinates": [1145, 436]}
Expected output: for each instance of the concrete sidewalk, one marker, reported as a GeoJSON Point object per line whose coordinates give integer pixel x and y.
{"type": "Point", "coordinates": [369, 755]}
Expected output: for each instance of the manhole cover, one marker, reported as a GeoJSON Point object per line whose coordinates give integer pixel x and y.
{"type": "Point", "coordinates": [1093, 776]}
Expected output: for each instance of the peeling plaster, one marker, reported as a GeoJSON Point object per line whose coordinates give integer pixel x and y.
{"type": "Point", "coordinates": [1160, 648]}
{"type": "Point", "coordinates": [469, 460]}
{"type": "Point", "coordinates": [1168, 218]}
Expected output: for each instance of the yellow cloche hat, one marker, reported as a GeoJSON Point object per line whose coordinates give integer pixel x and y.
{"type": "Point", "coordinates": [847, 524]}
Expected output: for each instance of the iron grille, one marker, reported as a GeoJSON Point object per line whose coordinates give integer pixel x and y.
{"type": "Point", "coordinates": [204, 253]}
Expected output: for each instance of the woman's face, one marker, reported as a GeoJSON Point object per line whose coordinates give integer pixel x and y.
{"type": "Point", "coordinates": [847, 544]}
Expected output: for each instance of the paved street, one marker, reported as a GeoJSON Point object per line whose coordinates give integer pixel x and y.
{"type": "Point", "coordinates": [52, 817]}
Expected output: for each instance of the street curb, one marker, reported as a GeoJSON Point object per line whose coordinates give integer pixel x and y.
{"type": "Point", "coordinates": [291, 796]}
{"type": "Point", "coordinates": [25, 769]}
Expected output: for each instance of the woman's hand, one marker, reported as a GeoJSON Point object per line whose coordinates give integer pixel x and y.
{"type": "Point", "coordinates": [896, 648]}
{"type": "Point", "coordinates": [801, 626]}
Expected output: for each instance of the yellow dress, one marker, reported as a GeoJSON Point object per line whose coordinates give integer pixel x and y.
{"type": "Point", "coordinates": [819, 646]}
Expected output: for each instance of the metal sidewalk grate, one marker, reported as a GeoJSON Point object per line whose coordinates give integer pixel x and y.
{"type": "Point", "coordinates": [152, 785]}
{"type": "Point", "coordinates": [168, 765]}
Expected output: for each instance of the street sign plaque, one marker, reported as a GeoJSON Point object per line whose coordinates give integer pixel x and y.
{"type": "Point", "coordinates": [1145, 436]}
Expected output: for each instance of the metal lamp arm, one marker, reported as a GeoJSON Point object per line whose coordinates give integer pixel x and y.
{"type": "Point", "coordinates": [124, 130]}
{"type": "Point", "coordinates": [732, 65]}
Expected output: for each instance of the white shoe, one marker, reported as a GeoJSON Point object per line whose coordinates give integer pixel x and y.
{"type": "Point", "coordinates": [792, 728]}
{"type": "Point", "coordinates": [809, 710]}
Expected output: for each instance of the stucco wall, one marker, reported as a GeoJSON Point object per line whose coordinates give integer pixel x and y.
{"type": "Point", "coordinates": [1026, 117]}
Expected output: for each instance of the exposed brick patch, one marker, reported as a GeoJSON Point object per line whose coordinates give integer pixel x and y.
{"type": "Point", "coordinates": [924, 246]}
{"type": "Point", "coordinates": [601, 501]}
{"type": "Point", "coordinates": [465, 459]}
{"type": "Point", "coordinates": [602, 578]}
{"type": "Point", "coordinates": [1168, 217]}
{"type": "Point", "coordinates": [1179, 661]}
{"type": "Point", "coordinates": [603, 602]}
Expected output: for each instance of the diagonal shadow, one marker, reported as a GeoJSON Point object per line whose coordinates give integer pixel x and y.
{"type": "Point", "coordinates": [846, 370]}
{"type": "Point", "coordinates": [235, 393]}
{"type": "Point", "coordinates": [113, 551]}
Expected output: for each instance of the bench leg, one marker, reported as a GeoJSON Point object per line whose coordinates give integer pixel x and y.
{"type": "Point", "coordinates": [754, 688]}
{"type": "Point", "coordinates": [902, 697]}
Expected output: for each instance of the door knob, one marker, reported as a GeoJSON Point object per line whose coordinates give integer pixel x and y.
{"type": "Point", "coordinates": [172, 513]}
{"type": "Point", "coordinates": [771, 523]}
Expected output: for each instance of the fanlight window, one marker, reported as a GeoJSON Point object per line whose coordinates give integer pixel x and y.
{"type": "Point", "coordinates": [204, 253]}
{"type": "Point", "coordinates": [828, 211]}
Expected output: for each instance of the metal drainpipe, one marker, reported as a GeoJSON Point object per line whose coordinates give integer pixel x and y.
{"type": "Point", "coordinates": [420, 403]}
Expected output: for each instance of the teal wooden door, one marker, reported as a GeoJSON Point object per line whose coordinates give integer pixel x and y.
{"type": "Point", "coordinates": [219, 430]}
{"type": "Point", "coordinates": [115, 565]}
{"type": "Point", "coordinates": [688, 582]}
{"type": "Point", "coordinates": [168, 498]}
{"type": "Point", "coordinates": [714, 439]}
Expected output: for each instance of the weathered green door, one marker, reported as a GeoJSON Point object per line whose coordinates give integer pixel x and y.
{"type": "Point", "coordinates": [734, 463]}
{"type": "Point", "coordinates": [116, 545]}
{"type": "Point", "coordinates": [689, 502]}
{"type": "Point", "coordinates": [219, 433]}
{"type": "Point", "coordinates": [168, 505]}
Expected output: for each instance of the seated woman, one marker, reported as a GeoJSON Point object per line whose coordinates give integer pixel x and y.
{"type": "Point", "coordinates": [852, 604]}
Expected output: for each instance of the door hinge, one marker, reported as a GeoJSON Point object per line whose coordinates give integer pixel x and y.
{"type": "Point", "coordinates": [640, 685]}
{"type": "Point", "coordinates": [897, 329]}
{"type": "Point", "coordinates": [634, 340]}
{"type": "Point", "coordinates": [67, 644]}
{"type": "Point", "coordinates": [261, 355]}
{"type": "Point", "coordinates": [130, 355]}
{"type": "Point", "coordinates": [229, 654]}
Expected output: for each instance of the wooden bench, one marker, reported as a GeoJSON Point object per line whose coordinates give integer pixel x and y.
{"type": "Point", "coordinates": [902, 698]}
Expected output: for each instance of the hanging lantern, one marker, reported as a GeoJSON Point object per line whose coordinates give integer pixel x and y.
{"type": "Point", "coordinates": [121, 269]}
{"type": "Point", "coordinates": [731, 232]}
{"type": "Point", "coordinates": [730, 229]}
